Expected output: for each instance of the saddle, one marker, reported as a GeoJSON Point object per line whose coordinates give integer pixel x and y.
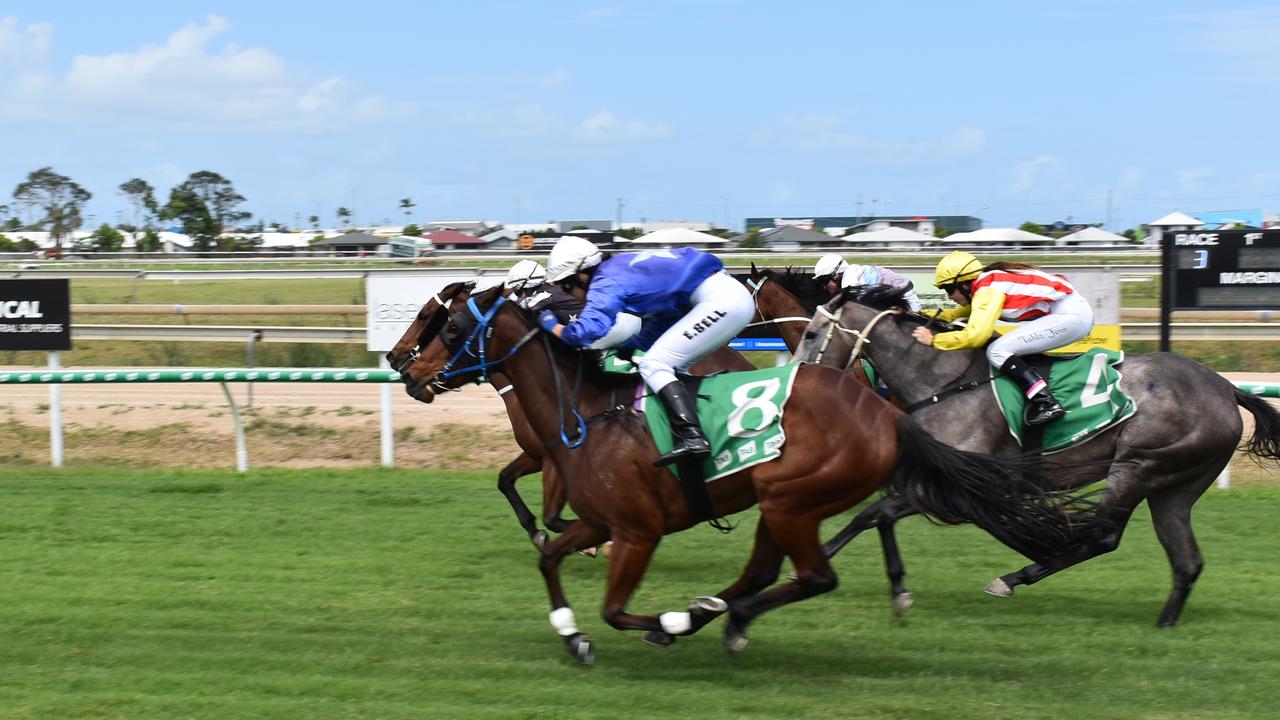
{"type": "Point", "coordinates": [1087, 384]}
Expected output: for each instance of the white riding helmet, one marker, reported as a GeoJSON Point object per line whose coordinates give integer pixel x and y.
{"type": "Point", "coordinates": [859, 276]}
{"type": "Point", "coordinates": [524, 275]}
{"type": "Point", "coordinates": [570, 255]}
{"type": "Point", "coordinates": [830, 264]}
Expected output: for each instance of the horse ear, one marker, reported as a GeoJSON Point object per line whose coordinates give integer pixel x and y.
{"type": "Point", "coordinates": [755, 274]}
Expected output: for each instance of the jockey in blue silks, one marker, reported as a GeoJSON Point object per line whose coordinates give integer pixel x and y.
{"type": "Point", "coordinates": [688, 305]}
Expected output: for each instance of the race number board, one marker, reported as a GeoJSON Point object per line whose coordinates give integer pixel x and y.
{"type": "Point", "coordinates": [1222, 270]}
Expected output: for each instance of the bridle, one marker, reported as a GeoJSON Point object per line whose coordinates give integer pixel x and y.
{"type": "Point", "coordinates": [475, 346]}
{"type": "Point", "coordinates": [863, 335]}
{"type": "Point", "coordinates": [429, 330]}
{"type": "Point", "coordinates": [755, 298]}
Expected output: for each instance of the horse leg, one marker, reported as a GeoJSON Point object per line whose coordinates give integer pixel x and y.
{"type": "Point", "coordinates": [516, 469]}
{"type": "Point", "coordinates": [1106, 540]}
{"type": "Point", "coordinates": [554, 498]}
{"type": "Point", "coordinates": [578, 535]}
{"type": "Point", "coordinates": [798, 538]}
{"type": "Point", "coordinates": [1171, 515]}
{"type": "Point", "coordinates": [882, 515]}
{"type": "Point", "coordinates": [627, 562]}
{"type": "Point", "coordinates": [760, 572]}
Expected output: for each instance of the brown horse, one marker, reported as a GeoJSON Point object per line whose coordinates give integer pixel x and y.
{"type": "Point", "coordinates": [605, 451]}
{"type": "Point", "coordinates": [427, 324]}
{"type": "Point", "coordinates": [788, 299]}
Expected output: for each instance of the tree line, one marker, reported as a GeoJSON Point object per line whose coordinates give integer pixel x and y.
{"type": "Point", "coordinates": [204, 205]}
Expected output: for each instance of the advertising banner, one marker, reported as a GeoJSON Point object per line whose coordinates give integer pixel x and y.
{"type": "Point", "coordinates": [35, 315]}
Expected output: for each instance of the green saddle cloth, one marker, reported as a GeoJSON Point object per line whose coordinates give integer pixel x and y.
{"type": "Point", "coordinates": [741, 414]}
{"type": "Point", "coordinates": [1088, 386]}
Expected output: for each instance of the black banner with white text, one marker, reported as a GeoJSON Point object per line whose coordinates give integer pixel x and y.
{"type": "Point", "coordinates": [35, 315]}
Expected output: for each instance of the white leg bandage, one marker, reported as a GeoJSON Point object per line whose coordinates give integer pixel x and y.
{"type": "Point", "coordinates": [563, 620]}
{"type": "Point", "coordinates": [675, 623]}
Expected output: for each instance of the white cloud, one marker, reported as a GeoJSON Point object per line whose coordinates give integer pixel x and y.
{"type": "Point", "coordinates": [781, 192]}
{"type": "Point", "coordinates": [1132, 176]}
{"type": "Point", "coordinates": [1242, 35]}
{"type": "Point", "coordinates": [188, 81]}
{"type": "Point", "coordinates": [23, 46]}
{"type": "Point", "coordinates": [556, 78]}
{"type": "Point", "coordinates": [605, 127]}
{"type": "Point", "coordinates": [1192, 180]}
{"type": "Point", "coordinates": [603, 11]}
{"type": "Point", "coordinates": [966, 141]}
{"type": "Point", "coordinates": [1025, 174]}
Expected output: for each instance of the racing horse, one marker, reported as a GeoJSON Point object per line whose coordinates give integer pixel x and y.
{"type": "Point", "coordinates": [1166, 453]}
{"type": "Point", "coordinates": [427, 324]}
{"type": "Point", "coordinates": [788, 299]}
{"type": "Point", "coordinates": [583, 419]}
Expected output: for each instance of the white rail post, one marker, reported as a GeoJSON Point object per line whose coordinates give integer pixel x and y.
{"type": "Point", "coordinates": [55, 411]}
{"type": "Point", "coordinates": [242, 449]}
{"type": "Point", "coordinates": [387, 427]}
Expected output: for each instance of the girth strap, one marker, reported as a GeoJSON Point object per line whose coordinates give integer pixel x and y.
{"type": "Point", "coordinates": [935, 399]}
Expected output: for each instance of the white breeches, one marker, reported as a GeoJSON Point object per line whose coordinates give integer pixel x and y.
{"type": "Point", "coordinates": [1070, 319]}
{"type": "Point", "coordinates": [722, 306]}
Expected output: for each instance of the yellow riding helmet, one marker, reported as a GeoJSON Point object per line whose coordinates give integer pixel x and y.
{"type": "Point", "coordinates": [955, 268]}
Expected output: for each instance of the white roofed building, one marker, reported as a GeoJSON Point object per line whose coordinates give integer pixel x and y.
{"type": "Point", "coordinates": [1173, 222]}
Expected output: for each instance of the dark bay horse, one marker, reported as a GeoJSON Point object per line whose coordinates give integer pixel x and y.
{"type": "Point", "coordinates": [604, 452]}
{"type": "Point", "coordinates": [427, 324]}
{"type": "Point", "coordinates": [1185, 430]}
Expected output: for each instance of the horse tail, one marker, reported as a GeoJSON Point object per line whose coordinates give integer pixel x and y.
{"type": "Point", "coordinates": [1265, 442]}
{"type": "Point", "coordinates": [1002, 495]}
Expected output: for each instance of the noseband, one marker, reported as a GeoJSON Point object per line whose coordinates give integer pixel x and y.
{"type": "Point", "coordinates": [863, 335]}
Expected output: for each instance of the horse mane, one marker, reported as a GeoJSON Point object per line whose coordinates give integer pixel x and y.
{"type": "Point", "coordinates": [799, 283]}
{"type": "Point", "coordinates": [880, 297]}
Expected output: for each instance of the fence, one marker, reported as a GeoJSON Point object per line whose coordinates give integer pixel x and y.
{"type": "Point", "coordinates": [55, 378]}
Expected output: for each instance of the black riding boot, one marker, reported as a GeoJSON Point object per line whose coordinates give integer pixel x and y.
{"type": "Point", "coordinates": [1041, 408]}
{"type": "Point", "coordinates": [683, 414]}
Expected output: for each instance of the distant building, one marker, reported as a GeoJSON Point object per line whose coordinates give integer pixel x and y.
{"type": "Point", "coordinates": [950, 223]}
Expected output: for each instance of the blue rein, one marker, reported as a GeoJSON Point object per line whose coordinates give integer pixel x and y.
{"type": "Point", "coordinates": [478, 336]}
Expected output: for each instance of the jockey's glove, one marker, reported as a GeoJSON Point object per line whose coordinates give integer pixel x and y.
{"type": "Point", "coordinates": [548, 320]}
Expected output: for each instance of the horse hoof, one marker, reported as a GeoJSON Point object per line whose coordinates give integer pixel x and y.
{"type": "Point", "coordinates": [579, 646]}
{"type": "Point", "coordinates": [540, 539]}
{"type": "Point", "coordinates": [658, 639]}
{"type": "Point", "coordinates": [735, 642]}
{"type": "Point", "coordinates": [999, 588]}
{"type": "Point", "coordinates": [902, 603]}
{"type": "Point", "coordinates": [709, 604]}
{"type": "Point", "coordinates": [590, 552]}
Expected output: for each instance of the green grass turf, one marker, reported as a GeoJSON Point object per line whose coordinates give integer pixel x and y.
{"type": "Point", "coordinates": [408, 594]}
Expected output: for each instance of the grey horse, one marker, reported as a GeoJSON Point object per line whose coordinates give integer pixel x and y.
{"type": "Point", "coordinates": [1185, 430]}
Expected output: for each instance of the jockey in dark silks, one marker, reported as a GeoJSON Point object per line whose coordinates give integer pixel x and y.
{"type": "Point", "coordinates": [689, 306]}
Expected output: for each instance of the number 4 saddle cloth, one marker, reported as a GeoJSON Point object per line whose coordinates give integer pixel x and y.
{"type": "Point", "coordinates": [741, 414]}
{"type": "Point", "coordinates": [1087, 385]}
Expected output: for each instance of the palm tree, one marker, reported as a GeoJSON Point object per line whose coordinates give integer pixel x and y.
{"type": "Point", "coordinates": [407, 205]}
{"type": "Point", "coordinates": [314, 220]}
{"type": "Point", "coordinates": [343, 215]}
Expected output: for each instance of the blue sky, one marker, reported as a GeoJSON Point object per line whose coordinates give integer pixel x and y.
{"type": "Point", "coordinates": [695, 110]}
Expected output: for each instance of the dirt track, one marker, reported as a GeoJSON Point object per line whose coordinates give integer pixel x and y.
{"type": "Point", "coordinates": [292, 425]}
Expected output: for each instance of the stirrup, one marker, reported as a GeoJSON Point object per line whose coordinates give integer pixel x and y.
{"type": "Point", "coordinates": [1043, 414]}
{"type": "Point", "coordinates": [693, 447]}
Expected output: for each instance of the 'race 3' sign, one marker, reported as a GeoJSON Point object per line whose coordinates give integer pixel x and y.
{"type": "Point", "coordinates": [35, 315]}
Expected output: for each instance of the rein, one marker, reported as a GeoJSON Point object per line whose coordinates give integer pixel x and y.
{"type": "Point", "coordinates": [864, 337]}
{"type": "Point", "coordinates": [479, 336]}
